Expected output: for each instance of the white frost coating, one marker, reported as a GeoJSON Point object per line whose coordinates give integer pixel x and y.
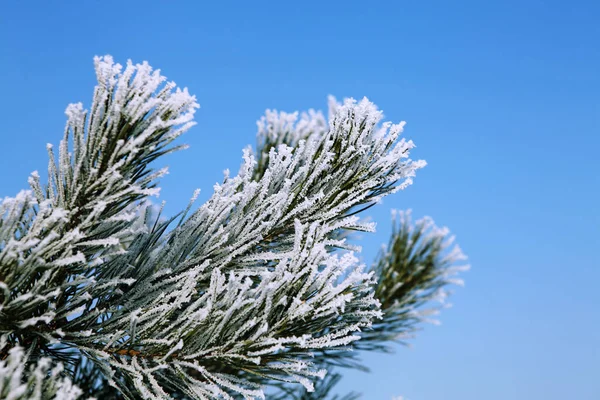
{"type": "Point", "coordinates": [231, 281]}
{"type": "Point", "coordinates": [58, 242]}
{"type": "Point", "coordinates": [428, 246]}
{"type": "Point", "coordinates": [297, 195]}
{"type": "Point", "coordinates": [77, 258]}
{"type": "Point", "coordinates": [75, 312]}
{"type": "Point", "coordinates": [113, 241]}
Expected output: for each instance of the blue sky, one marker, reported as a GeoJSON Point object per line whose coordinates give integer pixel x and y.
{"type": "Point", "coordinates": [502, 99]}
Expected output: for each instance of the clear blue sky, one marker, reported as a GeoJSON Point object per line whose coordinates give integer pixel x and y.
{"type": "Point", "coordinates": [502, 99]}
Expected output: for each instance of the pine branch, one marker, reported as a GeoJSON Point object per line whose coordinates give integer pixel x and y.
{"type": "Point", "coordinates": [257, 287]}
{"type": "Point", "coordinates": [246, 282]}
{"type": "Point", "coordinates": [415, 270]}
{"type": "Point", "coordinates": [412, 273]}
{"type": "Point", "coordinates": [24, 378]}
{"type": "Point", "coordinates": [54, 240]}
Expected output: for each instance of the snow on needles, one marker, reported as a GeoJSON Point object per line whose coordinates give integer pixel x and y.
{"type": "Point", "coordinates": [248, 286]}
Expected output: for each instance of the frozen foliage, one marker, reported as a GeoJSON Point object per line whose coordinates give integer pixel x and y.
{"type": "Point", "coordinates": [259, 286]}
{"type": "Point", "coordinates": [412, 271]}
{"type": "Point", "coordinates": [42, 379]}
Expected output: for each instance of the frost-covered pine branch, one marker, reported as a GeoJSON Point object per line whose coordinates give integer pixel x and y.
{"type": "Point", "coordinates": [55, 239]}
{"type": "Point", "coordinates": [257, 287]}
{"type": "Point", "coordinates": [412, 272]}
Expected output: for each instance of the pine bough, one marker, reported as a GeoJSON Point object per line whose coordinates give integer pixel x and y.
{"type": "Point", "coordinates": [258, 288]}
